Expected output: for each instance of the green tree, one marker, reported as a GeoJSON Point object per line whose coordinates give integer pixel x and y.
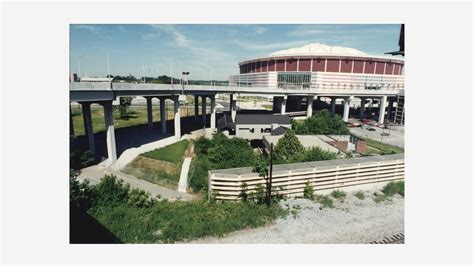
{"type": "Point", "coordinates": [125, 102]}
{"type": "Point", "coordinates": [317, 154]}
{"type": "Point", "coordinates": [231, 153]}
{"type": "Point", "coordinates": [79, 158]}
{"type": "Point", "coordinates": [323, 123]}
{"type": "Point", "coordinates": [288, 148]}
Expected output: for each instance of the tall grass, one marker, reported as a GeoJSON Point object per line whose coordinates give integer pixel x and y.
{"type": "Point", "coordinates": [168, 222]}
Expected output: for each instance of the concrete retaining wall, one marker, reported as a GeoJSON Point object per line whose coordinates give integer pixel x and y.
{"type": "Point", "coordinates": [324, 176]}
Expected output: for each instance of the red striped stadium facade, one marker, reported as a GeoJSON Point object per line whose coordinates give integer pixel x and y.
{"type": "Point", "coordinates": [321, 66]}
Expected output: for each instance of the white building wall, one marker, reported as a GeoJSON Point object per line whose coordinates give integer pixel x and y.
{"type": "Point", "coordinates": [244, 131]}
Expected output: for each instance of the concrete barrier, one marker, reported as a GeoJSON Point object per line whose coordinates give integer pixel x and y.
{"type": "Point", "coordinates": [324, 176]}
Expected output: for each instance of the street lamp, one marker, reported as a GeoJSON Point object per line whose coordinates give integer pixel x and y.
{"type": "Point", "coordinates": [185, 79]}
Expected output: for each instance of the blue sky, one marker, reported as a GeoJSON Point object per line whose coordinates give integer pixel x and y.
{"type": "Point", "coordinates": [206, 50]}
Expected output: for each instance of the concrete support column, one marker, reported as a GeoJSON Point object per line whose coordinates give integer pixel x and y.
{"type": "Point", "coordinates": [382, 104]}
{"type": "Point", "coordinates": [276, 104]}
{"type": "Point", "coordinates": [203, 111]}
{"type": "Point", "coordinates": [196, 107]}
{"type": "Point", "coordinates": [347, 102]}
{"type": "Point", "coordinates": [309, 109]}
{"type": "Point", "coordinates": [231, 108]}
{"type": "Point", "coordinates": [389, 109]}
{"type": "Point", "coordinates": [71, 124]}
{"type": "Point", "coordinates": [370, 107]}
{"type": "Point", "coordinates": [213, 112]}
{"type": "Point", "coordinates": [86, 114]}
{"type": "Point", "coordinates": [299, 102]}
{"type": "Point", "coordinates": [110, 131]}
{"type": "Point", "coordinates": [283, 105]}
{"type": "Point", "coordinates": [362, 108]}
{"type": "Point", "coordinates": [149, 111]}
{"type": "Point", "coordinates": [163, 114]}
{"type": "Point", "coordinates": [233, 113]}
{"type": "Point", "coordinates": [333, 105]}
{"type": "Point", "coordinates": [177, 117]}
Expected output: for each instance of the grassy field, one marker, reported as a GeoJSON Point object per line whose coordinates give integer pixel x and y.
{"type": "Point", "coordinates": [171, 153]}
{"type": "Point", "coordinates": [137, 116]}
{"type": "Point", "coordinates": [161, 166]}
{"type": "Point", "coordinates": [383, 148]}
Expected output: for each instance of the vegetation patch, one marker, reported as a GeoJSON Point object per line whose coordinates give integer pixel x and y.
{"type": "Point", "coordinates": [393, 188]}
{"type": "Point", "coordinates": [219, 152]}
{"type": "Point", "coordinates": [380, 197]}
{"type": "Point", "coordinates": [172, 153]}
{"type": "Point", "coordinates": [360, 195]}
{"type": "Point", "coordinates": [338, 194]}
{"type": "Point", "coordinates": [322, 122]}
{"type": "Point", "coordinates": [133, 217]}
{"type": "Point", "coordinates": [326, 201]}
{"type": "Point", "coordinates": [377, 147]}
{"type": "Point", "coordinates": [290, 150]}
{"type": "Point", "coordinates": [162, 173]}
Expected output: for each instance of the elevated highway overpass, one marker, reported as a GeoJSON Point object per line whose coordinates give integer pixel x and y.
{"type": "Point", "coordinates": [104, 93]}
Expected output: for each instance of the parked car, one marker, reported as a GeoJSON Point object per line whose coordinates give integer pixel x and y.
{"type": "Point", "coordinates": [370, 128]}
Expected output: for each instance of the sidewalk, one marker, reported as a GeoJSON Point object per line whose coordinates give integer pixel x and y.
{"type": "Point", "coordinates": [95, 173]}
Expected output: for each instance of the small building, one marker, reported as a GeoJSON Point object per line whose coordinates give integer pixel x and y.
{"type": "Point", "coordinates": [255, 126]}
{"type": "Point", "coordinates": [340, 144]}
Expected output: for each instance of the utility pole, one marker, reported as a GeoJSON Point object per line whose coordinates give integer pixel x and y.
{"type": "Point", "coordinates": [79, 67]}
{"type": "Point", "coordinates": [171, 73]}
{"type": "Point", "coordinates": [269, 182]}
{"type": "Point", "coordinates": [108, 64]}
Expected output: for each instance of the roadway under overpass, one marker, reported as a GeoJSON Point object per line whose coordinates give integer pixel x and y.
{"type": "Point", "coordinates": [104, 93]}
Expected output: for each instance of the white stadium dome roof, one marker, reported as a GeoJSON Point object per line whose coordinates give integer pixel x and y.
{"type": "Point", "coordinates": [319, 49]}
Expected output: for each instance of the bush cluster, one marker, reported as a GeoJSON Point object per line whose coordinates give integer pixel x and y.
{"type": "Point", "coordinates": [393, 188]}
{"type": "Point", "coordinates": [290, 150]}
{"type": "Point", "coordinates": [323, 122]}
{"type": "Point", "coordinates": [134, 217]}
{"type": "Point", "coordinates": [219, 152]}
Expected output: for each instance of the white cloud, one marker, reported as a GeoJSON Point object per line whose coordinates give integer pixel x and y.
{"type": "Point", "coordinates": [121, 28]}
{"type": "Point", "coordinates": [305, 32]}
{"type": "Point", "coordinates": [260, 30]}
{"type": "Point", "coordinates": [269, 46]}
{"type": "Point", "coordinates": [90, 28]}
{"type": "Point", "coordinates": [179, 38]}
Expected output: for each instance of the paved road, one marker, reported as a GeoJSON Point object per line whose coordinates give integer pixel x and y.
{"type": "Point", "coordinates": [396, 138]}
{"type": "Point", "coordinates": [95, 173]}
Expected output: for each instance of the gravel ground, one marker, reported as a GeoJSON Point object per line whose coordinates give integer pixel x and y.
{"type": "Point", "coordinates": [350, 221]}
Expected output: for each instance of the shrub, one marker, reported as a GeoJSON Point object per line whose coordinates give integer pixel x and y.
{"type": "Point", "coordinates": [393, 188]}
{"type": "Point", "coordinates": [378, 197]}
{"type": "Point", "coordinates": [231, 153]}
{"type": "Point", "coordinates": [198, 179]}
{"type": "Point", "coordinates": [288, 148]}
{"type": "Point", "coordinates": [113, 192]}
{"type": "Point", "coordinates": [243, 192]}
{"type": "Point", "coordinates": [259, 195]}
{"type": "Point", "coordinates": [325, 201]}
{"type": "Point", "coordinates": [338, 194]}
{"type": "Point", "coordinates": [201, 145]}
{"type": "Point", "coordinates": [317, 154]}
{"type": "Point", "coordinates": [322, 122]}
{"type": "Point", "coordinates": [360, 195]}
{"type": "Point", "coordinates": [81, 194]}
{"type": "Point", "coordinates": [308, 192]}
